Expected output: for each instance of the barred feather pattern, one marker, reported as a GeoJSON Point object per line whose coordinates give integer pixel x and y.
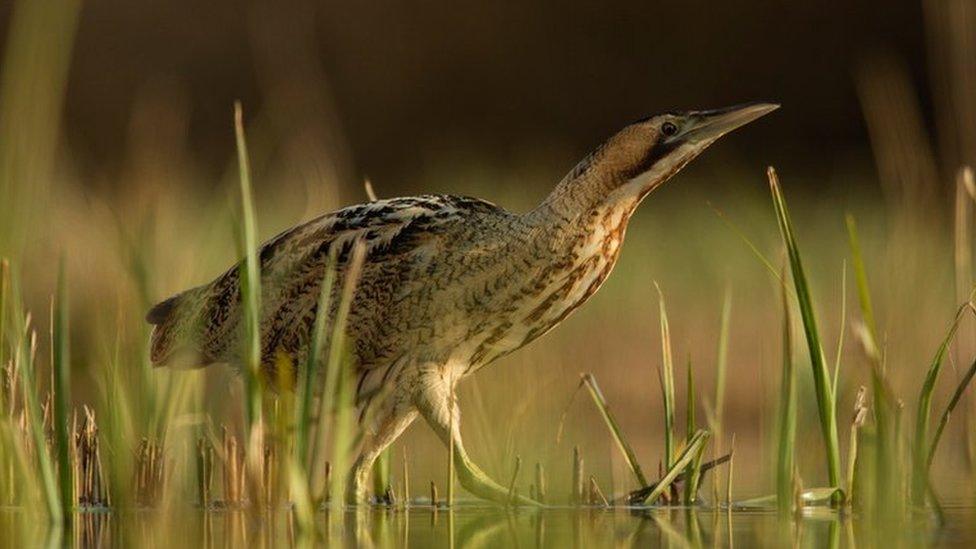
{"type": "Point", "coordinates": [446, 279]}
{"type": "Point", "coordinates": [450, 281]}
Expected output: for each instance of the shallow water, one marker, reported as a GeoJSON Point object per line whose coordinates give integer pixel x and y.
{"type": "Point", "coordinates": [475, 526]}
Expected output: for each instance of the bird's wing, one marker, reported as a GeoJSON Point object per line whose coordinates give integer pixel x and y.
{"type": "Point", "coordinates": [206, 319]}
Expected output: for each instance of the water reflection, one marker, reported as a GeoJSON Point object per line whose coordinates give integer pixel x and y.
{"type": "Point", "coordinates": [478, 527]}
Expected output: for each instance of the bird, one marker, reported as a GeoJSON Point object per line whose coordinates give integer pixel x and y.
{"type": "Point", "coordinates": [446, 284]}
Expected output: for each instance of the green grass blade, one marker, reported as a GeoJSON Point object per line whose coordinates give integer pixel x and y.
{"type": "Point", "coordinates": [25, 355]}
{"type": "Point", "coordinates": [924, 411]}
{"type": "Point", "coordinates": [311, 376]}
{"type": "Point", "coordinates": [339, 385]}
{"type": "Point", "coordinates": [843, 328]}
{"type": "Point", "coordinates": [722, 361]}
{"type": "Point", "coordinates": [250, 280]}
{"type": "Point", "coordinates": [667, 381]}
{"type": "Point", "coordinates": [748, 242]}
{"type": "Point", "coordinates": [693, 473]}
{"type": "Point", "coordinates": [601, 404]}
{"type": "Point", "coordinates": [691, 450]}
{"type": "Point", "coordinates": [62, 391]}
{"type": "Point", "coordinates": [821, 375]}
{"type": "Point", "coordinates": [953, 402]}
{"type": "Point", "coordinates": [786, 444]}
{"type": "Point", "coordinates": [888, 463]}
{"type": "Point", "coordinates": [717, 417]}
{"type": "Point", "coordinates": [861, 279]}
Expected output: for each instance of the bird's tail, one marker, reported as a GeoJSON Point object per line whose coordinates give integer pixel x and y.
{"type": "Point", "coordinates": [173, 341]}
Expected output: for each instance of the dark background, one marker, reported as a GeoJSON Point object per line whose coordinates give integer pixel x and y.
{"type": "Point", "coordinates": [393, 84]}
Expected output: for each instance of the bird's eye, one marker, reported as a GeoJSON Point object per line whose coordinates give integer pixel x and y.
{"type": "Point", "coordinates": [669, 129]}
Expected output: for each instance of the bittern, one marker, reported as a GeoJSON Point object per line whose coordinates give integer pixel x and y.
{"type": "Point", "coordinates": [448, 284]}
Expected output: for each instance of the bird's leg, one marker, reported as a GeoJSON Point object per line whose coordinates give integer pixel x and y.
{"type": "Point", "coordinates": [438, 405]}
{"type": "Point", "coordinates": [396, 417]}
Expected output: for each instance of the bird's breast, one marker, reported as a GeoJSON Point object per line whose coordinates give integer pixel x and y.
{"type": "Point", "coordinates": [564, 279]}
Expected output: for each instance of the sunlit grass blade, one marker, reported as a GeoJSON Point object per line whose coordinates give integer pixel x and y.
{"type": "Point", "coordinates": [250, 280]}
{"type": "Point", "coordinates": [62, 391]}
{"type": "Point", "coordinates": [25, 355]}
{"type": "Point", "coordinates": [311, 372]}
{"type": "Point", "coordinates": [693, 472]}
{"type": "Point", "coordinates": [821, 375]}
{"type": "Point", "coordinates": [944, 419]}
{"type": "Point", "coordinates": [888, 469]}
{"type": "Point", "coordinates": [842, 332]}
{"type": "Point", "coordinates": [786, 443]}
{"type": "Point", "coordinates": [863, 290]}
{"type": "Point", "coordinates": [601, 404]}
{"type": "Point", "coordinates": [748, 242]}
{"type": "Point", "coordinates": [691, 449]}
{"type": "Point", "coordinates": [924, 411]}
{"type": "Point", "coordinates": [666, 374]}
{"type": "Point", "coordinates": [722, 361]}
{"type": "Point", "coordinates": [721, 370]}
{"type": "Point", "coordinates": [339, 380]}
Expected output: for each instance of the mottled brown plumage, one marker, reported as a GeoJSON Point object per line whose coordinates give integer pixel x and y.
{"type": "Point", "coordinates": [449, 283]}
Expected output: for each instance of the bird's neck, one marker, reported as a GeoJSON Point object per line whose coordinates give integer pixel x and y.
{"type": "Point", "coordinates": [589, 192]}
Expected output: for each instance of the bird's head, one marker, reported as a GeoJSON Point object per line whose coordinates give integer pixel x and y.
{"type": "Point", "coordinates": [650, 151]}
{"type": "Point", "coordinates": [645, 154]}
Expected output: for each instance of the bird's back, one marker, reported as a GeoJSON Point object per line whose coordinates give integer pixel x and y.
{"type": "Point", "coordinates": [404, 238]}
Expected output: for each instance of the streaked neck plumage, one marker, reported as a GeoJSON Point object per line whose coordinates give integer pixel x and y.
{"type": "Point", "coordinates": [598, 184]}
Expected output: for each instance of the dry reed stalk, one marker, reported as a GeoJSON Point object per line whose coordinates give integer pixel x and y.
{"type": "Point", "coordinates": [205, 472]}
{"type": "Point", "coordinates": [540, 483]}
{"type": "Point", "coordinates": [233, 469]}
{"type": "Point", "coordinates": [26, 353]}
{"type": "Point", "coordinates": [406, 480]}
{"type": "Point", "coordinates": [90, 487]}
{"type": "Point", "coordinates": [857, 421]}
{"type": "Point", "coordinates": [512, 482]}
{"type": "Point", "coordinates": [596, 495]}
{"type": "Point", "coordinates": [150, 472]}
{"type": "Point", "coordinates": [577, 495]}
{"type": "Point", "coordinates": [370, 193]}
{"type": "Point", "coordinates": [327, 478]}
{"type": "Point", "coordinates": [269, 474]}
{"type": "Point", "coordinates": [728, 480]}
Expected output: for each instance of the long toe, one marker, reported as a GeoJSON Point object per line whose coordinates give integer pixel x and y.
{"type": "Point", "coordinates": [482, 486]}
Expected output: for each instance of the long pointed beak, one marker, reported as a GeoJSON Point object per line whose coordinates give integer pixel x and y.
{"type": "Point", "coordinates": [710, 125]}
